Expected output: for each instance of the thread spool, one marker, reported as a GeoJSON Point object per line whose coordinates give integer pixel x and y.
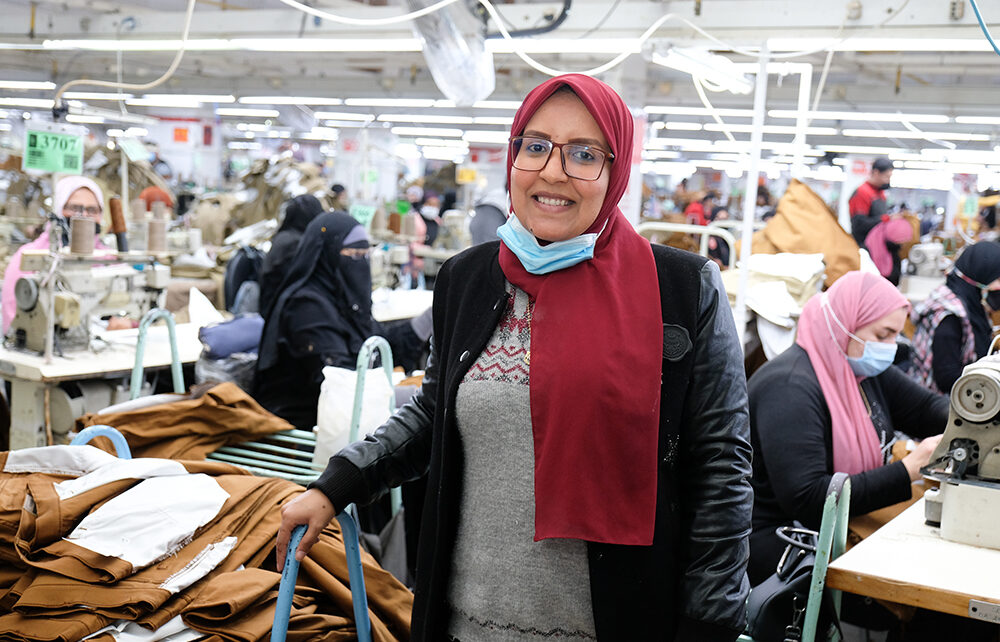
{"type": "Point", "coordinates": [156, 237]}
{"type": "Point", "coordinates": [159, 209]}
{"type": "Point", "coordinates": [81, 235]}
{"type": "Point", "coordinates": [117, 217]}
{"type": "Point", "coordinates": [137, 208]}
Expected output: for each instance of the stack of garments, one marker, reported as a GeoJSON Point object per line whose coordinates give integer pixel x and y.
{"type": "Point", "coordinates": [96, 547]}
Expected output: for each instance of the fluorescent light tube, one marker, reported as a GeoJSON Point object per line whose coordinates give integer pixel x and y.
{"type": "Point", "coordinates": [881, 43]}
{"type": "Point", "coordinates": [389, 102]}
{"type": "Point", "coordinates": [978, 120]}
{"type": "Point", "coordinates": [27, 84]}
{"type": "Point", "coordinates": [658, 154]}
{"type": "Point", "coordinates": [860, 115]}
{"type": "Point", "coordinates": [441, 142]}
{"type": "Point", "coordinates": [859, 149]}
{"type": "Point", "coordinates": [90, 120]}
{"type": "Point", "coordinates": [318, 45]}
{"type": "Point", "coordinates": [443, 153]}
{"type": "Point", "coordinates": [496, 104]}
{"type": "Point", "coordinates": [346, 123]}
{"type": "Point", "coordinates": [4, 114]}
{"type": "Point", "coordinates": [289, 100]}
{"type": "Point", "coordinates": [713, 68]}
{"type": "Point", "coordinates": [95, 95]}
{"type": "Point", "coordinates": [247, 112]}
{"type": "Point", "coordinates": [427, 131]}
{"type": "Point", "coordinates": [150, 102]}
{"type": "Point", "coordinates": [769, 129]}
{"type": "Point", "coordinates": [202, 98]}
{"type": "Point", "coordinates": [905, 133]}
{"type": "Point", "coordinates": [34, 103]}
{"type": "Point", "coordinates": [697, 111]}
{"type": "Point", "coordinates": [493, 120]}
{"type": "Point", "coordinates": [487, 136]}
{"type": "Point", "coordinates": [343, 115]}
{"type": "Point", "coordinates": [690, 127]}
{"type": "Point", "coordinates": [425, 118]}
{"type": "Point", "coordinates": [252, 127]}
{"type": "Point", "coordinates": [137, 132]}
{"type": "Point", "coordinates": [564, 45]}
{"type": "Point", "coordinates": [192, 44]}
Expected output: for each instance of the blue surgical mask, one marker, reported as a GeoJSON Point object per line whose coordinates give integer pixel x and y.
{"type": "Point", "coordinates": [876, 359]}
{"type": "Point", "coordinates": [877, 356]}
{"type": "Point", "coordinates": [542, 259]}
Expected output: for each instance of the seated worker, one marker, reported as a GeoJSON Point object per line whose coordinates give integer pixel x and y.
{"type": "Point", "coordinates": [299, 212]}
{"type": "Point", "coordinates": [718, 250]}
{"type": "Point", "coordinates": [832, 403]}
{"type": "Point", "coordinates": [73, 196]}
{"type": "Point", "coordinates": [953, 328]}
{"type": "Point", "coordinates": [320, 318]}
{"type": "Point", "coordinates": [867, 203]}
{"type": "Point", "coordinates": [696, 211]}
{"type": "Point", "coordinates": [883, 244]}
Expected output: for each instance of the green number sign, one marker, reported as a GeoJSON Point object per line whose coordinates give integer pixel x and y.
{"type": "Point", "coordinates": [53, 152]}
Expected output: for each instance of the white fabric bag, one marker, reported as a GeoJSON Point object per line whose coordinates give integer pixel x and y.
{"type": "Point", "coordinates": [336, 406]}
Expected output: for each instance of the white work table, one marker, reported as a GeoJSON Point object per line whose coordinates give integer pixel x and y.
{"type": "Point", "coordinates": [906, 561]}
{"type": "Point", "coordinates": [31, 378]}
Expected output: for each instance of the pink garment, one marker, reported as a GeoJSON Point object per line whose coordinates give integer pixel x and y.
{"type": "Point", "coordinates": [63, 190]}
{"type": "Point", "coordinates": [856, 299]}
{"type": "Point", "coordinates": [896, 230]}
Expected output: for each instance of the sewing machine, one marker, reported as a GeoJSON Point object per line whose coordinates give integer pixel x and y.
{"type": "Point", "coordinates": [926, 259]}
{"type": "Point", "coordinates": [56, 303]}
{"type": "Point", "coordinates": [967, 461]}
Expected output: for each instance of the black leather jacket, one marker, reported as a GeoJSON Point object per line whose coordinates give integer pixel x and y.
{"type": "Point", "coordinates": [691, 583]}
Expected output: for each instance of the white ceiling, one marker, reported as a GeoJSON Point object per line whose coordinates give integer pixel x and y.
{"type": "Point", "coordinates": [948, 83]}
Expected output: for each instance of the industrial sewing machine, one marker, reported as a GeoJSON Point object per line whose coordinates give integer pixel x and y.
{"type": "Point", "coordinates": [967, 461]}
{"type": "Point", "coordinates": [56, 304]}
{"type": "Point", "coordinates": [927, 259]}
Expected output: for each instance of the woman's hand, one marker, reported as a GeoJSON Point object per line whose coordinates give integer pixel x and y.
{"type": "Point", "coordinates": [920, 457]}
{"type": "Point", "coordinates": [311, 508]}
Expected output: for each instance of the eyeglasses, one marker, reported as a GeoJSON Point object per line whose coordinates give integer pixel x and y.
{"type": "Point", "coordinates": [584, 162]}
{"type": "Point", "coordinates": [89, 210]}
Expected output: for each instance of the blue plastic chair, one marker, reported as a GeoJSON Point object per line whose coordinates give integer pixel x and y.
{"type": "Point", "coordinates": [121, 446]}
{"type": "Point", "coordinates": [283, 607]}
{"type": "Point", "coordinates": [831, 544]}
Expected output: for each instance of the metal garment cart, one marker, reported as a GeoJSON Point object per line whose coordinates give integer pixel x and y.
{"type": "Point", "coordinates": [283, 607]}
{"type": "Point", "coordinates": [140, 347]}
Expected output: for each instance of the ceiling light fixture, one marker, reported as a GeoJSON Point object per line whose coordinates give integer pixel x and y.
{"type": "Point", "coordinates": [881, 43]}
{"type": "Point", "coordinates": [697, 111]}
{"type": "Point", "coordinates": [192, 44]}
{"type": "Point", "coordinates": [564, 45]}
{"type": "Point", "coordinates": [427, 131]}
{"type": "Point", "coordinates": [27, 84]}
{"type": "Point", "coordinates": [343, 115]}
{"type": "Point", "coordinates": [859, 115]}
{"type": "Point", "coordinates": [89, 120]}
{"type": "Point", "coordinates": [487, 136]}
{"type": "Point", "coordinates": [978, 120]}
{"type": "Point", "coordinates": [243, 112]}
{"type": "Point", "coordinates": [690, 127]}
{"type": "Point", "coordinates": [859, 149]}
{"type": "Point", "coordinates": [441, 142]}
{"type": "Point", "coordinates": [202, 98]}
{"type": "Point", "coordinates": [289, 100]}
{"type": "Point", "coordinates": [95, 95]}
{"type": "Point", "coordinates": [425, 118]}
{"type": "Point", "coordinates": [389, 102]}
{"type": "Point", "coordinates": [320, 45]}
{"type": "Point", "coordinates": [905, 133]}
{"type": "Point", "coordinates": [34, 103]}
{"type": "Point", "coordinates": [769, 129]}
{"type": "Point", "coordinates": [493, 120]}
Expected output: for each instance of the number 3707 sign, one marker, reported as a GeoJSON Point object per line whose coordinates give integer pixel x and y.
{"type": "Point", "coordinates": [53, 150]}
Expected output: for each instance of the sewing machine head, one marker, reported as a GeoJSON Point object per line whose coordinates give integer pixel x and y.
{"type": "Point", "coordinates": [78, 291]}
{"type": "Point", "coordinates": [967, 460]}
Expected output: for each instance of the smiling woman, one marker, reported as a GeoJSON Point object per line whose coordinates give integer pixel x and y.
{"type": "Point", "coordinates": [604, 475]}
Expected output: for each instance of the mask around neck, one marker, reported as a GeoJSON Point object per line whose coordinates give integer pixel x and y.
{"type": "Point", "coordinates": [539, 259]}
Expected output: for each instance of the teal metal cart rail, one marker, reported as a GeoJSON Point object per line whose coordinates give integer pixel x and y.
{"type": "Point", "coordinates": [140, 349]}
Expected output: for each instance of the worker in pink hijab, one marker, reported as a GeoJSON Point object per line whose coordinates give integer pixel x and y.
{"type": "Point", "coordinates": [73, 196]}
{"type": "Point", "coordinates": [883, 242]}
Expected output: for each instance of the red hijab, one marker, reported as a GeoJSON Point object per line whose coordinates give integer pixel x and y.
{"type": "Point", "coordinates": [856, 299]}
{"type": "Point", "coordinates": [596, 350]}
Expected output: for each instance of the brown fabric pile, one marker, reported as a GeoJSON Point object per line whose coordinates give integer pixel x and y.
{"type": "Point", "coordinates": [803, 224]}
{"type": "Point", "coordinates": [54, 589]}
{"type": "Point", "coordinates": [190, 428]}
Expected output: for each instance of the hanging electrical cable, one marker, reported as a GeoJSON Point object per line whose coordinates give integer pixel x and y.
{"type": "Point", "coordinates": [700, 88]}
{"type": "Point", "coordinates": [58, 109]}
{"type": "Point", "coordinates": [982, 25]}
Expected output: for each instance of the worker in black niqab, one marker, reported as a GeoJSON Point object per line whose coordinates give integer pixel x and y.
{"type": "Point", "coordinates": [299, 211]}
{"type": "Point", "coordinates": [320, 318]}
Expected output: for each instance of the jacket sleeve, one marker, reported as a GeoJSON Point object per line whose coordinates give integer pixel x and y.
{"type": "Point", "coordinates": [946, 353]}
{"type": "Point", "coordinates": [716, 498]}
{"type": "Point", "coordinates": [399, 451]}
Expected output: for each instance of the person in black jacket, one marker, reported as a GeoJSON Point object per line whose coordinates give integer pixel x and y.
{"type": "Point", "coordinates": [832, 403]}
{"type": "Point", "coordinates": [582, 421]}
{"type": "Point", "coordinates": [299, 211]}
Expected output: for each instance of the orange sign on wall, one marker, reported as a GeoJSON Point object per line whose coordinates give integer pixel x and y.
{"type": "Point", "coordinates": [180, 134]}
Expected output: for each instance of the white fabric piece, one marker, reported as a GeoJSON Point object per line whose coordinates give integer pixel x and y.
{"type": "Point", "coordinates": [201, 311]}
{"type": "Point", "coordinates": [173, 631]}
{"type": "Point", "coordinates": [788, 265]}
{"type": "Point", "coordinates": [771, 300]}
{"type": "Point", "coordinates": [774, 339]}
{"type": "Point", "coordinates": [117, 469]}
{"type": "Point", "coordinates": [867, 264]}
{"type": "Point", "coordinates": [202, 564]}
{"type": "Point", "coordinates": [151, 520]}
{"type": "Point", "coordinates": [57, 460]}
